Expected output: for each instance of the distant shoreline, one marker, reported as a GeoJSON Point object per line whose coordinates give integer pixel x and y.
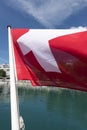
{"type": "Point", "coordinates": [27, 85]}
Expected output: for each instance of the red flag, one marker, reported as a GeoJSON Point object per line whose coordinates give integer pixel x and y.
{"type": "Point", "coordinates": [51, 57]}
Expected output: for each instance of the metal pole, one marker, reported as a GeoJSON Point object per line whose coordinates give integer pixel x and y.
{"type": "Point", "coordinates": [13, 90]}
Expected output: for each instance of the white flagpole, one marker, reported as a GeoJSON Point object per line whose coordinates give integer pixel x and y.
{"type": "Point", "coordinates": [13, 90]}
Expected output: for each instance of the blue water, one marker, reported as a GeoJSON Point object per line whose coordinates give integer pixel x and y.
{"type": "Point", "coordinates": [47, 110]}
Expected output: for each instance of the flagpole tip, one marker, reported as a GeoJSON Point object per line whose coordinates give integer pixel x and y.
{"type": "Point", "coordinates": [8, 26]}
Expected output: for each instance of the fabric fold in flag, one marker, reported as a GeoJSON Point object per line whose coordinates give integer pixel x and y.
{"type": "Point", "coordinates": [51, 57]}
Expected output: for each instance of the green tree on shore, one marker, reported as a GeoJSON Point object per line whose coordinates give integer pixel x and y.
{"type": "Point", "coordinates": [2, 73]}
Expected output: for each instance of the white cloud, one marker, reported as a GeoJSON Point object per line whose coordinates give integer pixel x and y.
{"type": "Point", "coordinates": [49, 12]}
{"type": "Point", "coordinates": [79, 27]}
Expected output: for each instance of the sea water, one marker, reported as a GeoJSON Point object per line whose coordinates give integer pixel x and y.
{"type": "Point", "coordinates": [47, 110]}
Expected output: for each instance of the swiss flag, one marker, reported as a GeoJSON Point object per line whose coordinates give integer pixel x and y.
{"type": "Point", "coordinates": [51, 57]}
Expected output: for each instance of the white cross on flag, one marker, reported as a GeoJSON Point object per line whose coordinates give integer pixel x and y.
{"type": "Point", "coordinates": [51, 57]}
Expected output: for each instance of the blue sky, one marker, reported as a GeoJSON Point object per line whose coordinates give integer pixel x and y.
{"type": "Point", "coordinates": [39, 14]}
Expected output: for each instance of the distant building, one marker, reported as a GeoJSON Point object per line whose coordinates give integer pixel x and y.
{"type": "Point", "coordinates": [6, 68]}
{"type": "Point", "coordinates": [70, 62]}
